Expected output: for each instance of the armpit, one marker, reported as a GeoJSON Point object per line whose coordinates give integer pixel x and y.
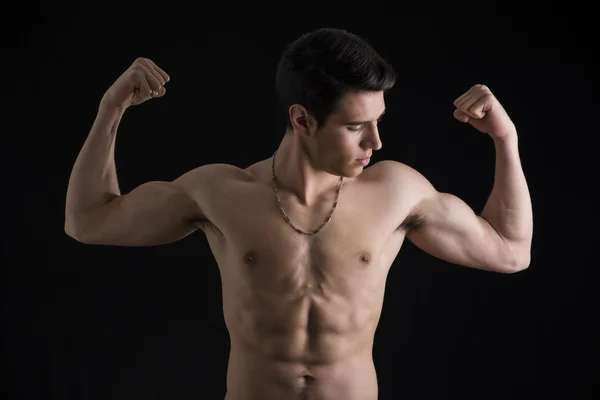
{"type": "Point", "coordinates": [413, 221]}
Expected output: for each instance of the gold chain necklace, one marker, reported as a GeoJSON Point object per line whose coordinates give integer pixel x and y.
{"type": "Point", "coordinates": [287, 219]}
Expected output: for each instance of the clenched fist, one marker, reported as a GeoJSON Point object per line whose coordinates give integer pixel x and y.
{"type": "Point", "coordinates": [480, 108]}
{"type": "Point", "coordinates": [142, 81]}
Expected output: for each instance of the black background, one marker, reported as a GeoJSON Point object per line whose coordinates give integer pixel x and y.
{"type": "Point", "coordinates": [95, 322]}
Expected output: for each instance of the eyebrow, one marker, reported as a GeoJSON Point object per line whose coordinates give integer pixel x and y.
{"type": "Point", "coordinates": [363, 122]}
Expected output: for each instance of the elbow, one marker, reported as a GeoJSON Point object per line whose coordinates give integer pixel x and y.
{"type": "Point", "coordinates": [523, 263]}
{"type": "Point", "coordinates": [73, 232]}
{"type": "Point", "coordinates": [522, 255]}
{"type": "Point", "coordinates": [516, 256]}
{"type": "Point", "coordinates": [517, 264]}
{"type": "Point", "coordinates": [76, 230]}
{"type": "Point", "coordinates": [509, 262]}
{"type": "Point", "coordinates": [70, 227]}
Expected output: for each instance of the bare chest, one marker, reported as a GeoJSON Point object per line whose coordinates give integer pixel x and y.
{"type": "Point", "coordinates": [253, 243]}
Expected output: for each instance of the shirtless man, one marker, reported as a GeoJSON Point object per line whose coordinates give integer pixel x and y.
{"type": "Point", "coordinates": [304, 240]}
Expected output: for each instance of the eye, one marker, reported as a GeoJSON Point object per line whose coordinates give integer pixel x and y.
{"type": "Point", "coordinates": [355, 128]}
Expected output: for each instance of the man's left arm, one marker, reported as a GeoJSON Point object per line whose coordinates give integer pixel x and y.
{"type": "Point", "coordinates": [500, 238]}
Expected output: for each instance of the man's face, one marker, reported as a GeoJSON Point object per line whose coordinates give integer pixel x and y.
{"type": "Point", "coordinates": [350, 134]}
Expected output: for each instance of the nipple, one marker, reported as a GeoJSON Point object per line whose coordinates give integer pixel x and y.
{"type": "Point", "coordinates": [250, 257]}
{"type": "Point", "coordinates": [365, 257]}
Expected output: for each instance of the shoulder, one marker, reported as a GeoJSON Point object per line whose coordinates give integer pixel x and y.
{"type": "Point", "coordinates": [401, 177]}
{"type": "Point", "coordinates": [212, 175]}
{"type": "Point", "coordinates": [208, 186]}
{"type": "Point", "coordinates": [409, 187]}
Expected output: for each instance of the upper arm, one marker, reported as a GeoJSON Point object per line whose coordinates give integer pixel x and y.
{"type": "Point", "coordinates": [444, 226]}
{"type": "Point", "coordinates": [153, 213]}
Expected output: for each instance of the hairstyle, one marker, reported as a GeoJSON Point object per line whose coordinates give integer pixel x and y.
{"type": "Point", "coordinates": [319, 67]}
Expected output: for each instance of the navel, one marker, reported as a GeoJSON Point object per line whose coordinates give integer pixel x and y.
{"type": "Point", "coordinates": [250, 257]}
{"type": "Point", "coordinates": [306, 380]}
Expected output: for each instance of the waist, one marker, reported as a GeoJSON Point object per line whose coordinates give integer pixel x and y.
{"type": "Point", "coordinates": [255, 375]}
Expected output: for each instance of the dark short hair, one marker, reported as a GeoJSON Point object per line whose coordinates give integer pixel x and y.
{"type": "Point", "coordinates": [319, 67]}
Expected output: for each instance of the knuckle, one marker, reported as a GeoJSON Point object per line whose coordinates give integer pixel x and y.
{"type": "Point", "coordinates": [137, 67]}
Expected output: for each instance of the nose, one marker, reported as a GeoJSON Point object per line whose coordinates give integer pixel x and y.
{"type": "Point", "coordinates": [372, 139]}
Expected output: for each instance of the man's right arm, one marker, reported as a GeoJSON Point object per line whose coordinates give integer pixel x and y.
{"type": "Point", "coordinates": [154, 213]}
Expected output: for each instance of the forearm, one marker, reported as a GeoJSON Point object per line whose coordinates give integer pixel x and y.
{"type": "Point", "coordinates": [508, 208]}
{"type": "Point", "coordinates": [93, 180]}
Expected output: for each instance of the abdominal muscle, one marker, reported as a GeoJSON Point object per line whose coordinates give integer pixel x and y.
{"type": "Point", "coordinates": [253, 376]}
{"type": "Point", "coordinates": [304, 346]}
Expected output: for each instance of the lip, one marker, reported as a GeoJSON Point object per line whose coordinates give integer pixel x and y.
{"type": "Point", "coordinates": [364, 161]}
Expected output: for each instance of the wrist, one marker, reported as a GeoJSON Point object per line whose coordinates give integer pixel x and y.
{"type": "Point", "coordinates": [108, 109]}
{"type": "Point", "coordinates": [507, 146]}
{"type": "Point", "coordinates": [108, 118]}
{"type": "Point", "coordinates": [506, 139]}
{"type": "Point", "coordinates": [109, 105]}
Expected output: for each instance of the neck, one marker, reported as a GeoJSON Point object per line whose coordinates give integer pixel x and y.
{"type": "Point", "coordinates": [297, 172]}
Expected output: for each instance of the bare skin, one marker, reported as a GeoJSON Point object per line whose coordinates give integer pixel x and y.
{"type": "Point", "coordinates": [302, 310]}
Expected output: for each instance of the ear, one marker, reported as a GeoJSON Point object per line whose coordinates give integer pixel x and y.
{"type": "Point", "coordinates": [302, 122]}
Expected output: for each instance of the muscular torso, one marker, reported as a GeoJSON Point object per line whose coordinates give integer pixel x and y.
{"type": "Point", "coordinates": [302, 310]}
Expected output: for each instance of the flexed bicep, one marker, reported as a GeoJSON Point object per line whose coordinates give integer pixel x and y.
{"type": "Point", "coordinates": [450, 230]}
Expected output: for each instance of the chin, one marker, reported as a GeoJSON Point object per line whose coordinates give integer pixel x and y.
{"type": "Point", "coordinates": [353, 171]}
{"type": "Point", "coordinates": [349, 170]}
